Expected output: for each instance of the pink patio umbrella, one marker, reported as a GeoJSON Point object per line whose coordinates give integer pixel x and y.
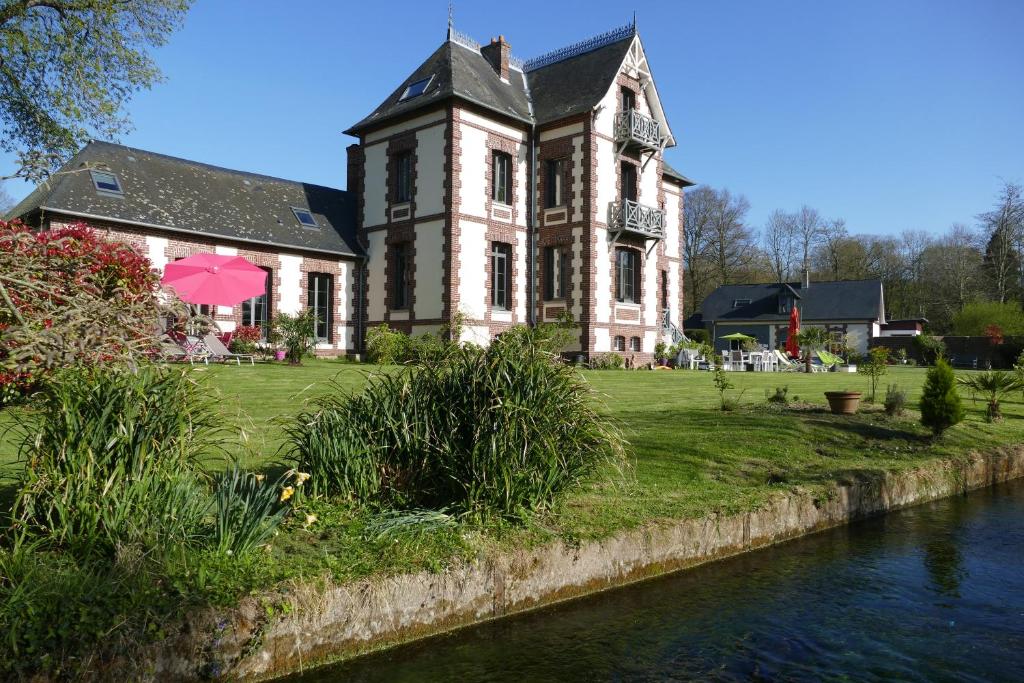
{"type": "Point", "coordinates": [215, 279]}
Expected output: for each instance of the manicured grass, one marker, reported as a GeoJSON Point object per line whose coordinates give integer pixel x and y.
{"type": "Point", "coordinates": [687, 457]}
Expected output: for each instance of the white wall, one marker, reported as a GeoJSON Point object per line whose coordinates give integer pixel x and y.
{"type": "Point", "coordinates": [375, 186]}
{"type": "Point", "coordinates": [672, 225]}
{"type": "Point", "coordinates": [602, 278]}
{"type": "Point", "coordinates": [607, 175]}
{"type": "Point", "coordinates": [674, 285]}
{"type": "Point", "coordinates": [157, 251]}
{"type": "Point", "coordinates": [430, 167]}
{"type": "Point", "coordinates": [472, 270]}
{"type": "Point", "coordinates": [473, 190]}
{"type": "Point", "coordinates": [419, 121]}
{"type": "Point", "coordinates": [520, 281]}
{"type": "Point", "coordinates": [577, 178]}
{"type": "Point", "coordinates": [429, 269]}
{"type": "Point", "coordinates": [291, 284]}
{"type": "Point", "coordinates": [652, 290]}
{"type": "Point", "coordinates": [375, 280]}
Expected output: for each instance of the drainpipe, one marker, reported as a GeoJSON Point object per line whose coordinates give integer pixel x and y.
{"type": "Point", "coordinates": [360, 306]}
{"type": "Point", "coordinates": [531, 239]}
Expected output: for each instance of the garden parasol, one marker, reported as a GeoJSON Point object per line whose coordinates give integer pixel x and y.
{"type": "Point", "coordinates": [792, 344]}
{"type": "Point", "coordinates": [215, 279]}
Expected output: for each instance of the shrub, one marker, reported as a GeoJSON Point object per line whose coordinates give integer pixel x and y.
{"type": "Point", "coordinates": [895, 400]}
{"type": "Point", "coordinates": [929, 348]}
{"type": "Point", "coordinates": [724, 384]}
{"type": "Point", "coordinates": [976, 318]}
{"type": "Point", "coordinates": [70, 297]}
{"type": "Point", "coordinates": [112, 458]}
{"type": "Point", "coordinates": [699, 335]}
{"type": "Point", "coordinates": [246, 509]}
{"type": "Point", "coordinates": [384, 345]}
{"type": "Point", "coordinates": [661, 351]}
{"type": "Point", "coordinates": [245, 339]}
{"type": "Point", "coordinates": [993, 385]}
{"type": "Point", "coordinates": [499, 432]}
{"type": "Point", "coordinates": [874, 366]}
{"type": "Point", "coordinates": [780, 397]}
{"type": "Point", "coordinates": [940, 403]}
{"type": "Point", "coordinates": [608, 361]}
{"type": "Point", "coordinates": [297, 334]}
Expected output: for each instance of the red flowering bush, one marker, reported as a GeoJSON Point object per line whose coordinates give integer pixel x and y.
{"type": "Point", "coordinates": [245, 338]}
{"type": "Point", "coordinates": [67, 297]}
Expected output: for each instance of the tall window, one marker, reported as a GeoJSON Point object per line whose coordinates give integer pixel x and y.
{"type": "Point", "coordinates": [627, 276]}
{"type": "Point", "coordinates": [501, 276]}
{"type": "Point", "coordinates": [628, 99]}
{"type": "Point", "coordinates": [628, 181]}
{"type": "Point", "coordinates": [664, 289]}
{"type": "Point", "coordinates": [501, 177]}
{"type": "Point", "coordinates": [619, 343]}
{"type": "Point", "coordinates": [556, 272]}
{"type": "Point", "coordinates": [403, 177]}
{"type": "Point", "coordinates": [318, 297]}
{"type": "Point", "coordinates": [400, 261]}
{"type": "Point", "coordinates": [256, 311]}
{"type": "Point", "coordinates": [554, 179]}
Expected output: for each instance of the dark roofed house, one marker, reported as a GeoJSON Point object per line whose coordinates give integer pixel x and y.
{"type": "Point", "coordinates": [852, 310]}
{"type": "Point", "coordinates": [303, 235]}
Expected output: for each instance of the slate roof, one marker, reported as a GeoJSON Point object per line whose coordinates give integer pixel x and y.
{"type": "Point", "coordinates": [668, 170]}
{"type": "Point", "coordinates": [577, 84]}
{"type": "Point", "coordinates": [839, 300]}
{"type": "Point", "coordinates": [191, 197]}
{"type": "Point", "coordinates": [460, 72]}
{"type": "Point", "coordinates": [555, 91]}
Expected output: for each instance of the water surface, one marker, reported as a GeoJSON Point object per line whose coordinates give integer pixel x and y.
{"type": "Point", "coordinates": [933, 593]}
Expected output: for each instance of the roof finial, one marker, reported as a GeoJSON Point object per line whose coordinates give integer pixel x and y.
{"type": "Point", "coordinates": [634, 22]}
{"type": "Point", "coordinates": [451, 19]}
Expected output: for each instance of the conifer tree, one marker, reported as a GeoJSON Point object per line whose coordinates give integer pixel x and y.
{"type": "Point", "coordinates": [940, 402]}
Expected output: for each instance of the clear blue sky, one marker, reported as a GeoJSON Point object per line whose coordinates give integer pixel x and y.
{"type": "Point", "coordinates": [891, 114]}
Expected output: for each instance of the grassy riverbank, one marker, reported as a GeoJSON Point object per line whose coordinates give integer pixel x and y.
{"type": "Point", "coordinates": [688, 457]}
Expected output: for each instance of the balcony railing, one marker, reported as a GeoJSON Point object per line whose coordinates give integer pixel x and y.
{"type": "Point", "coordinates": [634, 217]}
{"type": "Point", "coordinates": [632, 127]}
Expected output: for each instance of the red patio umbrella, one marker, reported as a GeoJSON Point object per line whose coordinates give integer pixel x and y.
{"type": "Point", "coordinates": [792, 345]}
{"type": "Point", "coordinates": [215, 279]}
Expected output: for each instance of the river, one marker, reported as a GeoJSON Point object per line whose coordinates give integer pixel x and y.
{"type": "Point", "coordinates": [932, 593]}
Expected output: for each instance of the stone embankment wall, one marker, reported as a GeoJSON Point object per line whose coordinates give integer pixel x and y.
{"type": "Point", "coordinates": [323, 624]}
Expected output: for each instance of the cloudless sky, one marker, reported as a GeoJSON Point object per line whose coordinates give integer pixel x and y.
{"type": "Point", "coordinates": [892, 114]}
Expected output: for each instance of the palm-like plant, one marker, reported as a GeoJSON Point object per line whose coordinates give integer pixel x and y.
{"type": "Point", "coordinates": [993, 385]}
{"type": "Point", "coordinates": [813, 339]}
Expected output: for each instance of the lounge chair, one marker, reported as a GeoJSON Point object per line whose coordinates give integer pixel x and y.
{"type": "Point", "coordinates": [785, 364]}
{"type": "Point", "coordinates": [220, 352]}
{"type": "Point", "coordinates": [828, 360]}
{"type": "Point", "coordinates": [178, 347]}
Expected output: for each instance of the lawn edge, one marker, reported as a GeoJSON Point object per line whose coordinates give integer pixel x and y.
{"type": "Point", "coordinates": [285, 632]}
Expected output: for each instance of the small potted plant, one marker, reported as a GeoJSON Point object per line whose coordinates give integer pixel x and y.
{"type": "Point", "coordinates": [843, 402]}
{"type": "Point", "coordinates": [661, 353]}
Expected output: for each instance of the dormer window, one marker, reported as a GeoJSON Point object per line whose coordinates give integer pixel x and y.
{"type": "Point", "coordinates": [106, 182]}
{"type": "Point", "coordinates": [416, 89]}
{"type": "Point", "coordinates": [740, 303]}
{"type": "Point", "coordinates": [305, 217]}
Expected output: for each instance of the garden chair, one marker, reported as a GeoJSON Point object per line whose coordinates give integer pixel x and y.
{"type": "Point", "coordinates": [828, 361]}
{"type": "Point", "coordinates": [784, 363]}
{"type": "Point", "coordinates": [220, 352]}
{"type": "Point", "coordinates": [736, 360]}
{"type": "Point", "coordinates": [177, 347]}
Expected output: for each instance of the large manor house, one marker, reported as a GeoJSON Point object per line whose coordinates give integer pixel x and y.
{"type": "Point", "coordinates": [501, 191]}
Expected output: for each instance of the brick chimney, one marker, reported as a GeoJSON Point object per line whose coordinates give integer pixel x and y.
{"type": "Point", "coordinates": [497, 53]}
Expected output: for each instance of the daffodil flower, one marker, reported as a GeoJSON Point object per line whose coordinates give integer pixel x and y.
{"type": "Point", "coordinates": [287, 492]}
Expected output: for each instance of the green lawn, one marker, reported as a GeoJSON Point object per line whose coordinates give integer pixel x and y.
{"type": "Point", "coordinates": [688, 458]}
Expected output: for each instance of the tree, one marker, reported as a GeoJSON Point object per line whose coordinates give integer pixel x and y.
{"type": "Point", "coordinates": [808, 229]}
{"type": "Point", "coordinates": [697, 216]}
{"type": "Point", "coordinates": [975, 318]}
{"type": "Point", "coordinates": [993, 385]}
{"type": "Point", "coordinates": [732, 244]}
{"type": "Point", "coordinates": [1005, 227]}
{"type": "Point", "coordinates": [68, 67]}
{"type": "Point", "coordinates": [68, 297]}
{"type": "Point", "coordinates": [951, 268]}
{"type": "Point", "coordinates": [6, 201]}
{"type": "Point", "coordinates": [778, 244]}
{"type": "Point", "coordinates": [812, 339]}
{"type": "Point", "coordinates": [874, 366]}
{"type": "Point", "coordinates": [940, 403]}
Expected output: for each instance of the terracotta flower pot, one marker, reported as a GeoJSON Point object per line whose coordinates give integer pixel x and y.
{"type": "Point", "coordinates": [843, 402]}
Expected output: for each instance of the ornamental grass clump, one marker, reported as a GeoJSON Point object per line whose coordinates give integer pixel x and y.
{"type": "Point", "coordinates": [113, 456]}
{"type": "Point", "coordinates": [497, 431]}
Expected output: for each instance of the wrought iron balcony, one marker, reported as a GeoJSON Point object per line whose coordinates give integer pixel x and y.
{"type": "Point", "coordinates": [634, 217]}
{"type": "Point", "coordinates": [632, 127]}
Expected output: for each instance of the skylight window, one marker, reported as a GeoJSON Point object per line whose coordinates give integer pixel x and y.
{"type": "Point", "coordinates": [104, 181]}
{"type": "Point", "coordinates": [740, 303]}
{"type": "Point", "coordinates": [305, 216]}
{"type": "Point", "coordinates": [416, 89]}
